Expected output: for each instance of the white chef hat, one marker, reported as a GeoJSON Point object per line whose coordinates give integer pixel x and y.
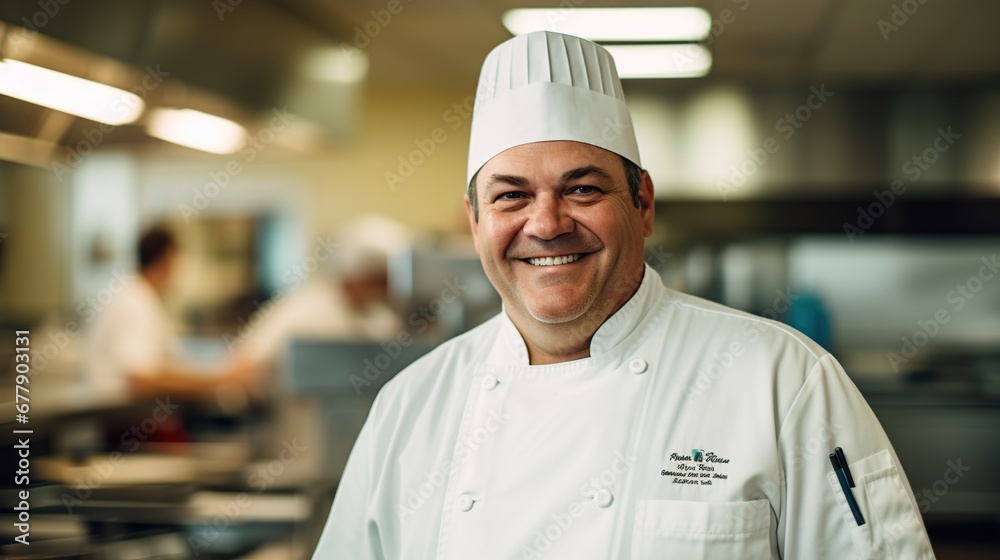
{"type": "Point", "coordinates": [546, 86]}
{"type": "Point", "coordinates": [365, 244]}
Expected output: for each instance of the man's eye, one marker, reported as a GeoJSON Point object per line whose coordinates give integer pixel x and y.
{"type": "Point", "coordinates": [510, 196]}
{"type": "Point", "coordinates": [585, 189]}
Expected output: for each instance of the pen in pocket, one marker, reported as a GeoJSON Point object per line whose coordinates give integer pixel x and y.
{"type": "Point", "coordinates": [846, 482]}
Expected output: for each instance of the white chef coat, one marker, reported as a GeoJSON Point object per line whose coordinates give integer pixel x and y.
{"type": "Point", "coordinates": [319, 309]}
{"type": "Point", "coordinates": [472, 453]}
{"type": "Point", "coordinates": [132, 335]}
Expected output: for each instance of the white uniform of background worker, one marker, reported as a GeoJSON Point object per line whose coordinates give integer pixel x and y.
{"type": "Point", "coordinates": [567, 426]}
{"type": "Point", "coordinates": [349, 301]}
{"type": "Point", "coordinates": [133, 350]}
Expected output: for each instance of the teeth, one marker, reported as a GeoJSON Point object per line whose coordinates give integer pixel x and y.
{"type": "Point", "coordinates": [550, 261]}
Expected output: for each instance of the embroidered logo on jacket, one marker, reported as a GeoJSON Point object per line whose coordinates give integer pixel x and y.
{"type": "Point", "coordinates": [700, 467]}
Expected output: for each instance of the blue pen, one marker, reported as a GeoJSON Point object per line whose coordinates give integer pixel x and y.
{"type": "Point", "coordinates": [839, 467]}
{"type": "Point", "coordinates": [843, 462]}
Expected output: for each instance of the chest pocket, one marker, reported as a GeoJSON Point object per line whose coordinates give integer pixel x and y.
{"type": "Point", "coordinates": [892, 526]}
{"type": "Point", "coordinates": [691, 530]}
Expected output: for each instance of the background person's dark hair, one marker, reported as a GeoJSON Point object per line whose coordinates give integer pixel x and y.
{"type": "Point", "coordinates": [633, 174]}
{"type": "Point", "coordinates": [153, 245]}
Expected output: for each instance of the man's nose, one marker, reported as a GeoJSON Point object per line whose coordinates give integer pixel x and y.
{"type": "Point", "coordinates": [550, 218]}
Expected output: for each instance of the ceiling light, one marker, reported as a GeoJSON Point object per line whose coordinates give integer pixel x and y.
{"type": "Point", "coordinates": [69, 94]}
{"type": "Point", "coordinates": [661, 61]}
{"type": "Point", "coordinates": [343, 65]}
{"type": "Point", "coordinates": [614, 24]}
{"type": "Point", "coordinates": [197, 130]}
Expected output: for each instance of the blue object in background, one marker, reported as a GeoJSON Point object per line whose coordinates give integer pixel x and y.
{"type": "Point", "coordinates": [808, 315]}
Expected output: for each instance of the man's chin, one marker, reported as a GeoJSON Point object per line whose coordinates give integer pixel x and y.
{"type": "Point", "coordinates": [552, 313]}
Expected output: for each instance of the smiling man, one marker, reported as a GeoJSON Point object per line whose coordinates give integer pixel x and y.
{"type": "Point", "coordinates": [600, 414]}
{"type": "Point", "coordinates": [560, 233]}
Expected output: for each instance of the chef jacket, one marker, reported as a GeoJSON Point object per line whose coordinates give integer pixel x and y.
{"type": "Point", "coordinates": [691, 431]}
{"type": "Point", "coordinates": [317, 309]}
{"type": "Point", "coordinates": [132, 336]}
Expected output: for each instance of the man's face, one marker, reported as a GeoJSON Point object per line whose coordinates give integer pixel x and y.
{"type": "Point", "coordinates": [367, 288]}
{"type": "Point", "coordinates": [550, 202]}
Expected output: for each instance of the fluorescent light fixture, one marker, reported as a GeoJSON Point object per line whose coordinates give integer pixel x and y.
{"type": "Point", "coordinates": [69, 94]}
{"type": "Point", "coordinates": [342, 65]}
{"type": "Point", "coordinates": [661, 61]}
{"type": "Point", "coordinates": [197, 130]}
{"type": "Point", "coordinates": [614, 24]}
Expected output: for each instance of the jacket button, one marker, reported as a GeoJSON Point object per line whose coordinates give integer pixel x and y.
{"type": "Point", "coordinates": [603, 497]}
{"type": "Point", "coordinates": [490, 382]}
{"type": "Point", "coordinates": [638, 366]}
{"type": "Point", "coordinates": [465, 502]}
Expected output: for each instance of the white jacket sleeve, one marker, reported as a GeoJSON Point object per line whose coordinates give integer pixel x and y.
{"type": "Point", "coordinates": [815, 520]}
{"type": "Point", "coordinates": [348, 534]}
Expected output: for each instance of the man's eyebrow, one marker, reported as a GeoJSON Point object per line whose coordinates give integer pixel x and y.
{"type": "Point", "coordinates": [518, 181]}
{"type": "Point", "coordinates": [581, 172]}
{"type": "Point", "coordinates": [513, 180]}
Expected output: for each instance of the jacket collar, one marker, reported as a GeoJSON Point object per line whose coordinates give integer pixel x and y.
{"type": "Point", "coordinates": [510, 348]}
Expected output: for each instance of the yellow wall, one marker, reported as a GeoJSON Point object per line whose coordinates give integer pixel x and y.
{"type": "Point", "coordinates": [352, 180]}
{"type": "Point", "coordinates": [35, 267]}
{"type": "Point", "coordinates": [349, 178]}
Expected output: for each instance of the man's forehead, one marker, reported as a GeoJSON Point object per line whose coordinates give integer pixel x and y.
{"type": "Point", "coordinates": [551, 157]}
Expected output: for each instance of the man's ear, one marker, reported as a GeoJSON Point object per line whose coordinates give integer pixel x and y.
{"type": "Point", "coordinates": [473, 224]}
{"type": "Point", "coordinates": [647, 206]}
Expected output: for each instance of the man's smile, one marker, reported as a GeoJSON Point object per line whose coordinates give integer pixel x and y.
{"type": "Point", "coordinates": [554, 261]}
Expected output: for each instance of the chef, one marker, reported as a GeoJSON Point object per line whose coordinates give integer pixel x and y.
{"type": "Point", "coordinates": [600, 414]}
{"type": "Point", "coordinates": [132, 351]}
{"type": "Point", "coordinates": [348, 301]}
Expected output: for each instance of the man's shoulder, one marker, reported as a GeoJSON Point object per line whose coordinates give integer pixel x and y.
{"type": "Point", "coordinates": [742, 350]}
{"type": "Point", "coordinates": [715, 319]}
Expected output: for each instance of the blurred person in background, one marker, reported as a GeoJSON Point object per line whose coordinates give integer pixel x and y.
{"type": "Point", "coordinates": [602, 414]}
{"type": "Point", "coordinates": [132, 349]}
{"type": "Point", "coordinates": [347, 301]}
